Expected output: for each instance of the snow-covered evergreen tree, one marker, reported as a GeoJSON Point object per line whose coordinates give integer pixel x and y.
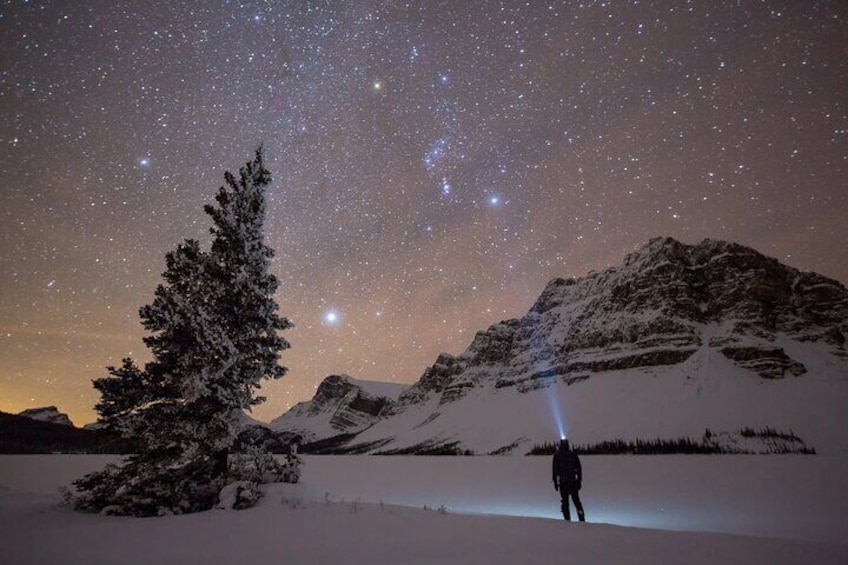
{"type": "Point", "coordinates": [244, 303]}
{"type": "Point", "coordinates": [213, 328]}
{"type": "Point", "coordinates": [191, 351]}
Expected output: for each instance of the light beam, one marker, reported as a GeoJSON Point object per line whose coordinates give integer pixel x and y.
{"type": "Point", "coordinates": [556, 413]}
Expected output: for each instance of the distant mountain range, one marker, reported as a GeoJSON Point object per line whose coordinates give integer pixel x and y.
{"type": "Point", "coordinates": [46, 430]}
{"type": "Point", "coordinates": [47, 414]}
{"type": "Point", "coordinates": [711, 347]}
{"type": "Point", "coordinates": [713, 342]}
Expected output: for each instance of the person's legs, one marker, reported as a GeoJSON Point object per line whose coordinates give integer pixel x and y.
{"type": "Point", "coordinates": [575, 494]}
{"type": "Point", "coordinates": [566, 513]}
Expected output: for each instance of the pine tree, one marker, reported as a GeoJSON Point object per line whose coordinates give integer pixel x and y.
{"type": "Point", "coordinates": [245, 304]}
{"type": "Point", "coordinates": [191, 350]}
{"type": "Point", "coordinates": [213, 328]}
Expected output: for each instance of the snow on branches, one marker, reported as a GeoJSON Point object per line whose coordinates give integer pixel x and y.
{"type": "Point", "coordinates": [213, 333]}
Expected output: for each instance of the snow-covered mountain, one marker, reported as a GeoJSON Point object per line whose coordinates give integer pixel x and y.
{"type": "Point", "coordinates": [341, 405]}
{"type": "Point", "coordinates": [676, 340]}
{"type": "Point", "coordinates": [47, 414]}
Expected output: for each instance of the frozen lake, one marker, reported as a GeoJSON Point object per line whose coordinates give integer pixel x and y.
{"type": "Point", "coordinates": [798, 497]}
{"type": "Point", "coordinates": [498, 509]}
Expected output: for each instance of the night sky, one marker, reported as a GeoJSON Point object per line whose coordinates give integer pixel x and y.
{"type": "Point", "coordinates": [434, 163]}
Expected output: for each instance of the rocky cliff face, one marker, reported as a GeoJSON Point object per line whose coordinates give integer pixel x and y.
{"type": "Point", "coordinates": [341, 405]}
{"type": "Point", "coordinates": [677, 339]}
{"type": "Point", "coordinates": [49, 414]}
{"type": "Point", "coordinates": [665, 302]}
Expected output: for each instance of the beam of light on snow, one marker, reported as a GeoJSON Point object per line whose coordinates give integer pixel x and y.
{"type": "Point", "coordinates": [625, 516]}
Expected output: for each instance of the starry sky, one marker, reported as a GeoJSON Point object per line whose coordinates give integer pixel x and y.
{"type": "Point", "coordinates": [435, 163]}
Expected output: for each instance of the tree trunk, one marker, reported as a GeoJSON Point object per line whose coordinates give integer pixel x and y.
{"type": "Point", "coordinates": [220, 468]}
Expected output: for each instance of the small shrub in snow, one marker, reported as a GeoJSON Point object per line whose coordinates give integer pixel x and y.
{"type": "Point", "coordinates": [239, 495]}
{"type": "Point", "coordinates": [66, 497]}
{"type": "Point", "coordinates": [292, 502]}
{"type": "Point", "coordinates": [262, 467]}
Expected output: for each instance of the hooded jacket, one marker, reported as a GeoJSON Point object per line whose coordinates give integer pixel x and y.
{"type": "Point", "coordinates": [567, 471]}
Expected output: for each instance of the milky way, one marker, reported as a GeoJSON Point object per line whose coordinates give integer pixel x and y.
{"type": "Point", "coordinates": [434, 163]}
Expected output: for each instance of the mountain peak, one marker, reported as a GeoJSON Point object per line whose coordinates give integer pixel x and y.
{"type": "Point", "coordinates": [47, 414]}
{"type": "Point", "coordinates": [660, 249]}
{"type": "Point", "coordinates": [341, 404]}
{"type": "Point", "coordinates": [676, 339]}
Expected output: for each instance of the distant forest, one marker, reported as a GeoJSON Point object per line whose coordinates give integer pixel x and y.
{"type": "Point", "coordinates": [777, 441]}
{"type": "Point", "coordinates": [19, 434]}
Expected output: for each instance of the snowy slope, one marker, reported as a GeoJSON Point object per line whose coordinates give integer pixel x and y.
{"type": "Point", "coordinates": [341, 404]}
{"type": "Point", "coordinates": [677, 340]}
{"type": "Point", "coordinates": [670, 402]}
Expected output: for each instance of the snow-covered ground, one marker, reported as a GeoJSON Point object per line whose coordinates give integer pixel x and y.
{"type": "Point", "coordinates": [772, 509]}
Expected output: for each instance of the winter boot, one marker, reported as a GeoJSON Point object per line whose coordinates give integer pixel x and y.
{"type": "Point", "coordinates": [581, 515]}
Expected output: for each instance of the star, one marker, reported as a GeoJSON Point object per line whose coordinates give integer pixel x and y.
{"type": "Point", "coordinates": [331, 317]}
{"type": "Point", "coordinates": [446, 186]}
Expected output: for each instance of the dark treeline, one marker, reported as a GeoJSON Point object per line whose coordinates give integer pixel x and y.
{"type": "Point", "coordinates": [19, 434]}
{"type": "Point", "coordinates": [778, 442]}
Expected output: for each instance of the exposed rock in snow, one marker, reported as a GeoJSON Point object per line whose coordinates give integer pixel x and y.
{"type": "Point", "coordinates": [47, 414]}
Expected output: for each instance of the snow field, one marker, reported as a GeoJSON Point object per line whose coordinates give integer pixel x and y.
{"type": "Point", "coordinates": [371, 510]}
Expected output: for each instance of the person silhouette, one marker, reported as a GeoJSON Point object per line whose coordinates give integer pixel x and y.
{"type": "Point", "coordinates": [568, 479]}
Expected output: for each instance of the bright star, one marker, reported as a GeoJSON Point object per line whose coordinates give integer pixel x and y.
{"type": "Point", "coordinates": [446, 187]}
{"type": "Point", "coordinates": [494, 200]}
{"type": "Point", "coordinates": [436, 152]}
{"type": "Point", "coordinates": [144, 161]}
{"type": "Point", "coordinates": [377, 85]}
{"type": "Point", "coordinates": [331, 317]}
